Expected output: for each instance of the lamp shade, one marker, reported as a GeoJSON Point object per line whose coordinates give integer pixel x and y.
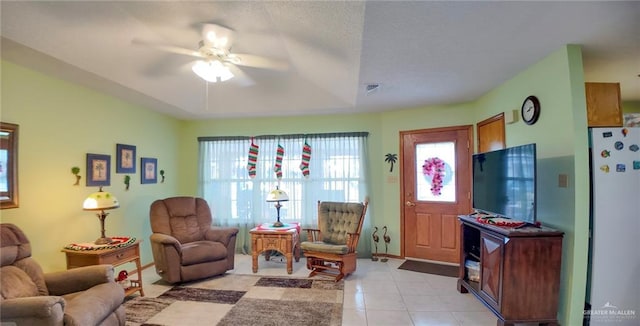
{"type": "Point", "coordinates": [99, 201]}
{"type": "Point", "coordinates": [277, 195]}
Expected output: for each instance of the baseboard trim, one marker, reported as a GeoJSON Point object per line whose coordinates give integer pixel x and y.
{"type": "Point", "coordinates": [389, 256]}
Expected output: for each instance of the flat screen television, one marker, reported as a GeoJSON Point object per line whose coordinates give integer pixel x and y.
{"type": "Point", "coordinates": [504, 183]}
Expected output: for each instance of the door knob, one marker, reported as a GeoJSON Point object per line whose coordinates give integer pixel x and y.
{"type": "Point", "coordinates": [409, 204]}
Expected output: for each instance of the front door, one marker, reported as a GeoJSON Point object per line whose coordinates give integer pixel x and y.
{"type": "Point", "coordinates": [436, 188]}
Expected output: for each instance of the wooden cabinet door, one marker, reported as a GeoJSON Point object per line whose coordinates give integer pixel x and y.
{"type": "Point", "coordinates": [603, 104]}
{"type": "Point", "coordinates": [491, 134]}
{"type": "Point", "coordinates": [492, 253]}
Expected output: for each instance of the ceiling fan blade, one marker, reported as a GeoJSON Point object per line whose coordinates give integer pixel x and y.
{"type": "Point", "coordinates": [240, 77]}
{"type": "Point", "coordinates": [250, 60]}
{"type": "Point", "coordinates": [217, 36]}
{"type": "Point", "coordinates": [168, 48]}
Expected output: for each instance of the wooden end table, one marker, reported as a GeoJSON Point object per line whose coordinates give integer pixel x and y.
{"type": "Point", "coordinates": [114, 256]}
{"type": "Point", "coordinates": [286, 242]}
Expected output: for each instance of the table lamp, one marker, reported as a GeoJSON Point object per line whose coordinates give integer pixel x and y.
{"type": "Point", "coordinates": [277, 196]}
{"type": "Point", "coordinates": [101, 201]}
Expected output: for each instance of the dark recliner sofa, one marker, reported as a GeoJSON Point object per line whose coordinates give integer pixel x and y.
{"type": "Point", "coordinates": [81, 296]}
{"type": "Point", "coordinates": [184, 243]}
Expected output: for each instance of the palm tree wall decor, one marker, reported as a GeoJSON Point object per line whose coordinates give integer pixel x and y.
{"type": "Point", "coordinates": [391, 159]}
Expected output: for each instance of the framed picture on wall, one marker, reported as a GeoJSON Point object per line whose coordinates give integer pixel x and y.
{"type": "Point", "coordinates": [8, 165]}
{"type": "Point", "coordinates": [148, 170]}
{"type": "Point", "coordinates": [98, 170]}
{"type": "Point", "coordinates": [125, 158]}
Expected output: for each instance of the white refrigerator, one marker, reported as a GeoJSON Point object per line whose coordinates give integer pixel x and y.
{"type": "Point", "coordinates": [615, 226]}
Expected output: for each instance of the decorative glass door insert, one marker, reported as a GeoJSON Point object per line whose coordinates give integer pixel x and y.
{"type": "Point", "coordinates": [435, 172]}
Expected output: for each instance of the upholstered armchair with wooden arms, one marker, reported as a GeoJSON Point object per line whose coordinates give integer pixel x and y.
{"type": "Point", "coordinates": [81, 296]}
{"type": "Point", "coordinates": [331, 248]}
{"type": "Point", "coordinates": [184, 243]}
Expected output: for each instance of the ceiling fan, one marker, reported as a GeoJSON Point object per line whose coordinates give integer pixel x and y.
{"type": "Point", "coordinates": [215, 57]}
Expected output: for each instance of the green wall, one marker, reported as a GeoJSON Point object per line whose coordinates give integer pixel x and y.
{"type": "Point", "coordinates": [59, 124]}
{"type": "Point", "coordinates": [561, 138]}
{"type": "Point", "coordinates": [631, 107]}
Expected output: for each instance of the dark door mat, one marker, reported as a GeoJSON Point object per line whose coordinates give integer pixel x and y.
{"type": "Point", "coordinates": [430, 268]}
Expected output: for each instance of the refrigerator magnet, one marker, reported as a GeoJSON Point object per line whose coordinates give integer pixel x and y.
{"type": "Point", "coordinates": [636, 165]}
{"type": "Point", "coordinates": [625, 131]}
{"type": "Point", "coordinates": [634, 148]}
{"type": "Point", "coordinates": [607, 134]}
{"type": "Point", "coordinates": [604, 168]}
{"type": "Point", "coordinates": [620, 167]}
{"type": "Point", "coordinates": [605, 153]}
{"type": "Point", "coordinates": [618, 145]}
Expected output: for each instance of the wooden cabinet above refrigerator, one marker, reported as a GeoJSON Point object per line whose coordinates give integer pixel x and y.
{"type": "Point", "coordinates": [604, 107]}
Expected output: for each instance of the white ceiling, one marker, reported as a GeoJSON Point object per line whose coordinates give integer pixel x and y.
{"type": "Point", "coordinates": [421, 53]}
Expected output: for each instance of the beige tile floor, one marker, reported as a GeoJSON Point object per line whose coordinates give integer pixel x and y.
{"type": "Point", "coordinates": [378, 294]}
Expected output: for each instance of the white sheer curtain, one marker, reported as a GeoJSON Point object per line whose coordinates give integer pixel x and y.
{"type": "Point", "coordinates": [338, 172]}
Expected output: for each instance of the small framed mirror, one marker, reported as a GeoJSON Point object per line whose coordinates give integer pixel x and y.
{"type": "Point", "coordinates": [8, 165]}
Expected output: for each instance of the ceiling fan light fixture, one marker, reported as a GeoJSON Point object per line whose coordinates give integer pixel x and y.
{"type": "Point", "coordinates": [212, 71]}
{"type": "Point", "coordinates": [217, 37]}
{"type": "Point", "coordinates": [211, 36]}
{"type": "Point", "coordinates": [221, 43]}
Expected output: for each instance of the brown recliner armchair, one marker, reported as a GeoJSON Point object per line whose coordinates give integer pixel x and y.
{"type": "Point", "coordinates": [80, 296]}
{"type": "Point", "coordinates": [184, 243]}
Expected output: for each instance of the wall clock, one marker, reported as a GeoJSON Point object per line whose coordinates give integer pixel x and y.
{"type": "Point", "coordinates": [530, 110]}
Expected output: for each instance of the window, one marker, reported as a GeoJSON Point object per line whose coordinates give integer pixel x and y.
{"type": "Point", "coordinates": [337, 172]}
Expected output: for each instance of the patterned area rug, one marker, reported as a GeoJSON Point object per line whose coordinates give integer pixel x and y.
{"type": "Point", "coordinates": [242, 300]}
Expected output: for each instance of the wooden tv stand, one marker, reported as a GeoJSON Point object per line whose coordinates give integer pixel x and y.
{"type": "Point", "coordinates": [519, 270]}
